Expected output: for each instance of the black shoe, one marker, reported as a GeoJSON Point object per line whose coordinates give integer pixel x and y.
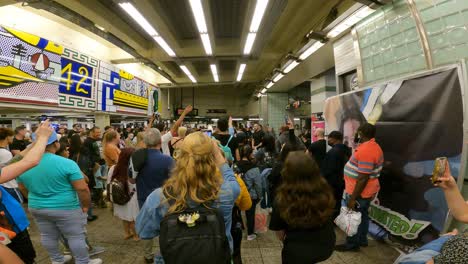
{"type": "Point", "coordinates": [346, 248]}
{"type": "Point", "coordinates": [149, 261]}
{"type": "Point", "coordinates": [92, 218]}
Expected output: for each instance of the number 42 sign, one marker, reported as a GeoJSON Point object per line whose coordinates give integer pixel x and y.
{"type": "Point", "coordinates": [76, 78]}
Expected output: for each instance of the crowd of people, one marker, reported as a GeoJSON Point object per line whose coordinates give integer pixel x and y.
{"type": "Point", "coordinates": [189, 188]}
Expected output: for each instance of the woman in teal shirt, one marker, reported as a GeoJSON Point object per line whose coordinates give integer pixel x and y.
{"type": "Point", "coordinates": [58, 200]}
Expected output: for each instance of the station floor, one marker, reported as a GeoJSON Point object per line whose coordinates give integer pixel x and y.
{"type": "Point", "coordinates": [266, 249]}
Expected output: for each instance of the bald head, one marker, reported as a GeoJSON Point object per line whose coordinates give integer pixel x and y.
{"type": "Point", "coordinates": [320, 133]}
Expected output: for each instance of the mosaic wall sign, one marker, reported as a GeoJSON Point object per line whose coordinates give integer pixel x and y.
{"type": "Point", "coordinates": [78, 80]}
{"type": "Point", "coordinates": [34, 70]}
{"type": "Point", "coordinates": [29, 68]}
{"type": "Point", "coordinates": [120, 91]}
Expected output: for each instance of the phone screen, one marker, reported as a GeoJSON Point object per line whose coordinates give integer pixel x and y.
{"type": "Point", "coordinates": [208, 133]}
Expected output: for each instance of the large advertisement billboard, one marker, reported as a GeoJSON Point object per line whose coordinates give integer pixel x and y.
{"type": "Point", "coordinates": [417, 121]}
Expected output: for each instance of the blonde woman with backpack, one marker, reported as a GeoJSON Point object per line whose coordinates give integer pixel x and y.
{"type": "Point", "coordinates": [192, 212]}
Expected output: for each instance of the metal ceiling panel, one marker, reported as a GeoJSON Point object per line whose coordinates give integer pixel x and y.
{"type": "Point", "coordinates": [227, 66]}
{"type": "Point", "coordinates": [202, 67]}
{"type": "Point", "coordinates": [173, 67]}
{"type": "Point", "coordinates": [178, 16]}
{"type": "Point", "coordinates": [228, 17]}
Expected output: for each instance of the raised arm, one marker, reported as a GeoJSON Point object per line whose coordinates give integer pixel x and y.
{"type": "Point", "coordinates": [32, 156]}
{"type": "Point", "coordinates": [179, 121]}
{"type": "Point", "coordinates": [456, 203]}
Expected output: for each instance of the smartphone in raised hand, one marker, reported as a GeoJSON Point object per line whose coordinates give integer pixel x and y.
{"type": "Point", "coordinates": [440, 165]}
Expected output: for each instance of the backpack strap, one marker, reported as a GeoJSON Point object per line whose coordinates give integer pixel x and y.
{"type": "Point", "coordinates": [230, 138]}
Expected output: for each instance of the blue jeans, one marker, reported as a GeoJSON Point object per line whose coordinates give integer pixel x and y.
{"type": "Point", "coordinates": [363, 207]}
{"type": "Point", "coordinates": [53, 224]}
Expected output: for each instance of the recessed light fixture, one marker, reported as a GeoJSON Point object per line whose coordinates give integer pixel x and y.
{"type": "Point", "coordinates": [249, 43]}
{"type": "Point", "coordinates": [241, 71]}
{"type": "Point", "coordinates": [164, 46]}
{"type": "Point", "coordinates": [188, 73]}
{"type": "Point", "coordinates": [199, 15]}
{"type": "Point", "coordinates": [141, 20]}
{"type": "Point", "coordinates": [257, 17]}
{"type": "Point", "coordinates": [263, 91]}
{"type": "Point", "coordinates": [214, 71]}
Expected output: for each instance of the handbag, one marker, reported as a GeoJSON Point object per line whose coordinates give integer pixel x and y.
{"type": "Point", "coordinates": [348, 221]}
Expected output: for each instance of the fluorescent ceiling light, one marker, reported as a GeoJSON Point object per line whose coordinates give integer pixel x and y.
{"type": "Point", "coordinates": [199, 15]}
{"type": "Point", "coordinates": [206, 43]}
{"type": "Point", "coordinates": [291, 66]}
{"type": "Point", "coordinates": [164, 46]}
{"type": "Point", "coordinates": [100, 27]}
{"type": "Point", "coordinates": [139, 18]}
{"type": "Point", "coordinates": [278, 77]}
{"type": "Point", "coordinates": [192, 78]}
{"type": "Point", "coordinates": [258, 95]}
{"type": "Point", "coordinates": [350, 21]}
{"type": "Point", "coordinates": [214, 71]}
{"type": "Point", "coordinates": [317, 45]}
{"type": "Point", "coordinates": [269, 85]}
{"type": "Point", "coordinates": [188, 73]}
{"type": "Point", "coordinates": [297, 119]}
{"type": "Point", "coordinates": [263, 91]}
{"type": "Point", "coordinates": [258, 15]}
{"type": "Point", "coordinates": [249, 43]}
{"type": "Point", "coordinates": [237, 119]}
{"type": "Point", "coordinates": [241, 71]}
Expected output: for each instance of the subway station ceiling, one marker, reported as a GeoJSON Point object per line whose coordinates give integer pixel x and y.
{"type": "Point", "coordinates": [202, 42]}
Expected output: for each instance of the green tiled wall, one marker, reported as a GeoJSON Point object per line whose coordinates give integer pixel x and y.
{"type": "Point", "coordinates": [446, 23]}
{"type": "Point", "coordinates": [277, 109]}
{"type": "Point", "coordinates": [389, 43]}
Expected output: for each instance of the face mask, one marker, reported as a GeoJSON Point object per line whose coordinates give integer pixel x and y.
{"type": "Point", "coordinates": [27, 135]}
{"type": "Point", "coordinates": [357, 138]}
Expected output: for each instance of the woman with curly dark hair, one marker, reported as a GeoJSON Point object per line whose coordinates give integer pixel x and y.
{"type": "Point", "coordinates": [302, 212]}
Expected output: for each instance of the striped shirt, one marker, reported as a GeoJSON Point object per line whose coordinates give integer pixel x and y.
{"type": "Point", "coordinates": [367, 159]}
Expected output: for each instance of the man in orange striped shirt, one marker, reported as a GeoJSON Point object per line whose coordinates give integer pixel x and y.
{"type": "Point", "coordinates": [361, 175]}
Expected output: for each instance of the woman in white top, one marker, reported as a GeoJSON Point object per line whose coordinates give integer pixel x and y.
{"type": "Point", "coordinates": [6, 138]}
{"type": "Point", "coordinates": [129, 211]}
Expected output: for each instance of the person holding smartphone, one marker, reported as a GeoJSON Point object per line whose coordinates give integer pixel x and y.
{"type": "Point", "coordinates": [457, 204]}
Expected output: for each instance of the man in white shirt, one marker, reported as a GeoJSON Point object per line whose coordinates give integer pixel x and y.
{"type": "Point", "coordinates": [167, 135]}
{"type": "Point", "coordinates": [6, 138]}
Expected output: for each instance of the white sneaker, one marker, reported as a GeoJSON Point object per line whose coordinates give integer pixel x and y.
{"type": "Point", "coordinates": [66, 258]}
{"type": "Point", "coordinates": [251, 237]}
{"type": "Point", "coordinates": [95, 261]}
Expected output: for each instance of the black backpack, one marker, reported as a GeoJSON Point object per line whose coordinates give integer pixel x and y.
{"type": "Point", "coordinates": [204, 242]}
{"type": "Point", "coordinates": [117, 193]}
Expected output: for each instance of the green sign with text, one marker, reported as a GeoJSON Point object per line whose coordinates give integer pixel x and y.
{"type": "Point", "coordinates": [395, 223]}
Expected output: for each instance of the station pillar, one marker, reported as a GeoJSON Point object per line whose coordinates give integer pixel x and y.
{"type": "Point", "coordinates": [71, 122]}
{"type": "Point", "coordinates": [102, 120]}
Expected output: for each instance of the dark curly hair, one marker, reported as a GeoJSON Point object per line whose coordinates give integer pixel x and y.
{"type": "Point", "coordinates": [304, 199]}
